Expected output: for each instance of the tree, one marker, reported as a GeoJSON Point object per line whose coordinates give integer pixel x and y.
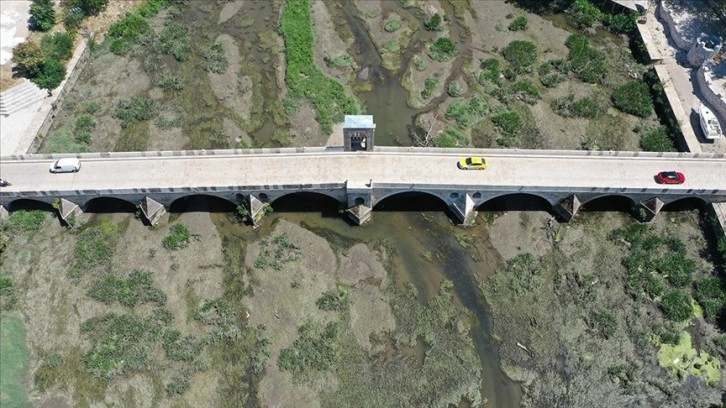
{"type": "Point", "coordinates": [51, 75]}
{"type": "Point", "coordinates": [57, 46]}
{"type": "Point", "coordinates": [29, 57]}
{"type": "Point", "coordinates": [43, 14]}
{"type": "Point", "coordinates": [89, 7]}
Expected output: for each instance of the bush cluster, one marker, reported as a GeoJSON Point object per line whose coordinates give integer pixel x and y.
{"type": "Point", "coordinates": [179, 236]}
{"type": "Point", "coordinates": [136, 109]}
{"type": "Point", "coordinates": [657, 140]}
{"type": "Point", "coordinates": [634, 98]}
{"type": "Point", "coordinates": [127, 31]}
{"type": "Point", "coordinates": [710, 293]}
{"type": "Point", "coordinates": [443, 49]}
{"type": "Point", "coordinates": [519, 24]}
{"type": "Point", "coordinates": [137, 288]}
{"type": "Point", "coordinates": [337, 300]}
{"type": "Point", "coordinates": [521, 55]}
{"type": "Point", "coordinates": [569, 107]}
{"type": "Point", "coordinates": [429, 85]}
{"type": "Point", "coordinates": [491, 71]}
{"type": "Point", "coordinates": [434, 23]}
{"type": "Point", "coordinates": [42, 14]}
{"type": "Point", "coordinates": [466, 113]}
{"type": "Point", "coordinates": [315, 348]}
{"type": "Point", "coordinates": [509, 121]}
{"type": "Point", "coordinates": [451, 137]}
{"type": "Point", "coordinates": [553, 72]}
{"type": "Point", "coordinates": [392, 26]}
{"type": "Point", "coordinates": [174, 39]}
{"type": "Point", "coordinates": [585, 61]}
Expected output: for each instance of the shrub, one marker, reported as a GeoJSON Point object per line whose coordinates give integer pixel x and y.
{"type": "Point", "coordinates": [526, 91]}
{"type": "Point", "coordinates": [605, 324]}
{"type": "Point", "coordinates": [434, 23]}
{"type": "Point", "coordinates": [89, 7]}
{"type": "Point", "coordinates": [92, 250]}
{"type": "Point", "coordinates": [491, 71]}
{"type": "Point", "coordinates": [137, 288]}
{"type": "Point", "coordinates": [519, 24]}
{"type": "Point", "coordinates": [84, 123]}
{"type": "Point", "coordinates": [82, 137]}
{"type": "Point", "coordinates": [174, 39]}
{"type": "Point", "coordinates": [126, 31]}
{"type": "Point", "coordinates": [451, 137]}
{"type": "Point", "coordinates": [392, 26]}
{"type": "Point", "coordinates": [42, 14]}
{"type": "Point", "coordinates": [443, 49]}
{"type": "Point", "coordinates": [711, 295]}
{"type": "Point", "coordinates": [334, 300]}
{"type": "Point", "coordinates": [466, 113]}
{"type": "Point", "coordinates": [314, 348]}
{"type": "Point", "coordinates": [586, 62]}
{"type": "Point", "coordinates": [57, 46]}
{"type": "Point", "coordinates": [180, 348]}
{"type": "Point", "coordinates": [454, 90]}
{"type": "Point", "coordinates": [135, 109]}
{"type": "Point", "coordinates": [429, 86]}
{"type": "Point", "coordinates": [521, 55]}
{"type": "Point", "coordinates": [569, 107]}
{"type": "Point", "coordinates": [214, 59]}
{"type": "Point", "coordinates": [657, 140]}
{"type": "Point", "coordinates": [51, 75]}
{"type": "Point", "coordinates": [177, 386]}
{"type": "Point", "coordinates": [621, 23]}
{"type": "Point", "coordinates": [508, 121]}
{"type": "Point", "coordinates": [178, 237]}
{"type": "Point", "coordinates": [72, 21]}
{"type": "Point", "coordinates": [634, 98]}
{"type": "Point", "coordinates": [419, 63]}
{"type": "Point", "coordinates": [92, 107]}
{"type": "Point", "coordinates": [171, 83]}
{"type": "Point", "coordinates": [553, 72]}
{"type": "Point", "coordinates": [29, 57]}
{"type": "Point", "coordinates": [585, 13]}
{"type": "Point", "coordinates": [23, 220]}
{"type": "Point", "coordinates": [677, 306]}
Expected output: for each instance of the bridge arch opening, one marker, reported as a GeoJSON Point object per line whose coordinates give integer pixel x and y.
{"type": "Point", "coordinates": [202, 203]}
{"type": "Point", "coordinates": [307, 202]}
{"type": "Point", "coordinates": [609, 203]}
{"type": "Point", "coordinates": [107, 205]}
{"type": "Point", "coordinates": [30, 205]}
{"type": "Point", "coordinates": [686, 204]}
{"type": "Point", "coordinates": [411, 201]}
{"type": "Point", "coordinates": [516, 202]}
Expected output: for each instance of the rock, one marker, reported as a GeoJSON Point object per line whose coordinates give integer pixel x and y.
{"type": "Point", "coordinates": [363, 74]}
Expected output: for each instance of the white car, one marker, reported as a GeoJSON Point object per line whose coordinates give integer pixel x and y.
{"type": "Point", "coordinates": [67, 165]}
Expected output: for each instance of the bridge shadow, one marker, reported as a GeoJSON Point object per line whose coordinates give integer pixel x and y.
{"type": "Point", "coordinates": [685, 205]}
{"type": "Point", "coordinates": [516, 202]}
{"type": "Point", "coordinates": [411, 202]}
{"type": "Point", "coordinates": [202, 203]}
{"type": "Point", "coordinates": [307, 202]}
{"type": "Point", "coordinates": [108, 205]}
{"type": "Point", "coordinates": [611, 203]}
{"type": "Point", "coordinates": [31, 205]}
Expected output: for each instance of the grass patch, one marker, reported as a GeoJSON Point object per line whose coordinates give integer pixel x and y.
{"type": "Point", "coordinates": [657, 140]}
{"type": "Point", "coordinates": [429, 85]}
{"type": "Point", "coordinates": [93, 249]}
{"type": "Point", "coordinates": [391, 26]}
{"type": "Point", "coordinates": [314, 349]}
{"type": "Point", "coordinates": [569, 107]}
{"type": "Point", "coordinates": [521, 55]}
{"type": "Point", "coordinates": [683, 359]}
{"type": "Point", "coordinates": [178, 238]}
{"type": "Point", "coordinates": [137, 288]}
{"type": "Point", "coordinates": [63, 141]}
{"type": "Point", "coordinates": [7, 293]}
{"type": "Point", "coordinates": [174, 39]}
{"type": "Point", "coordinates": [303, 78]}
{"type": "Point", "coordinates": [491, 71]}
{"type": "Point", "coordinates": [452, 137]}
{"type": "Point", "coordinates": [14, 357]}
{"type": "Point", "coordinates": [711, 296]}
{"type": "Point", "coordinates": [26, 221]}
{"type": "Point", "coordinates": [334, 300]}
{"type": "Point", "coordinates": [585, 61]}
{"type": "Point", "coordinates": [509, 121]}
{"type": "Point", "coordinates": [466, 113]}
{"type": "Point", "coordinates": [214, 59]}
{"type": "Point", "coordinates": [634, 98]}
{"type": "Point", "coordinates": [125, 32]}
{"type": "Point", "coordinates": [136, 109]}
{"type": "Point", "coordinates": [519, 24]}
{"type": "Point", "coordinates": [274, 256]}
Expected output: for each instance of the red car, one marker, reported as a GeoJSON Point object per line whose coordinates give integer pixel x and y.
{"type": "Point", "coordinates": [671, 177]}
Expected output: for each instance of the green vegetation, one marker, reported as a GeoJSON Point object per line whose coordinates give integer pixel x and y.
{"type": "Point", "coordinates": [657, 140]}
{"type": "Point", "coordinates": [178, 238]}
{"type": "Point", "coordinates": [42, 14]}
{"type": "Point", "coordinates": [586, 62]}
{"type": "Point", "coordinates": [585, 13]}
{"type": "Point", "coordinates": [451, 137]}
{"type": "Point", "coordinates": [605, 324]}
{"type": "Point", "coordinates": [525, 91]}
{"type": "Point", "coordinates": [136, 109]}
{"type": "Point", "coordinates": [92, 250]}
{"type": "Point", "coordinates": [63, 141]}
{"type": "Point", "coordinates": [29, 57]}
{"type": "Point", "coordinates": [334, 300]}
{"type": "Point", "coordinates": [491, 71]}
{"type": "Point", "coordinates": [14, 357]}
{"type": "Point", "coordinates": [89, 7]}
{"type": "Point", "coordinates": [392, 26]}
{"type": "Point", "coordinates": [137, 288]}
{"type": "Point", "coordinates": [57, 46]}
{"type": "Point", "coordinates": [521, 55]}
{"type": "Point", "coordinates": [8, 297]}
{"type": "Point", "coordinates": [443, 49]}
{"type": "Point", "coordinates": [82, 130]}
{"type": "Point", "coordinates": [24, 220]}
{"type": "Point", "coordinates": [419, 63]}
{"type": "Point", "coordinates": [509, 121]}
{"type": "Point", "coordinates": [125, 32]}
{"type": "Point", "coordinates": [711, 296]}
{"type": "Point", "coordinates": [51, 75]}
{"type": "Point", "coordinates": [519, 24]}
{"type": "Point", "coordinates": [634, 98]}
{"type": "Point", "coordinates": [434, 23]}
{"type": "Point", "coordinates": [429, 85]}
{"type": "Point", "coordinates": [92, 107]}
{"type": "Point", "coordinates": [569, 107]}
{"type": "Point", "coordinates": [454, 90]}
{"type": "Point", "coordinates": [303, 78]}
{"type": "Point", "coordinates": [314, 349]}
{"type": "Point", "coordinates": [282, 251]}
{"type": "Point", "coordinates": [174, 39]}
{"type": "Point", "coordinates": [682, 359]}
{"type": "Point", "coordinates": [214, 59]}
{"type": "Point", "coordinates": [466, 113]}
{"type": "Point", "coordinates": [171, 83]}
{"type": "Point", "coordinates": [553, 72]}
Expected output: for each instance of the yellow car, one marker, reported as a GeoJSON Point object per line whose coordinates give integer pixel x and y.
{"type": "Point", "coordinates": [472, 163]}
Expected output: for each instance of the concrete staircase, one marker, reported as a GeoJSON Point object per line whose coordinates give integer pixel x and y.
{"type": "Point", "coordinates": [20, 96]}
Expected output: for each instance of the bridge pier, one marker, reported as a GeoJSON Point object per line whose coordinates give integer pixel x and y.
{"type": "Point", "coordinates": [463, 207]}
{"type": "Point", "coordinates": [566, 208]}
{"type": "Point", "coordinates": [153, 210]}
{"type": "Point", "coordinates": [4, 213]}
{"type": "Point", "coordinates": [256, 208]}
{"type": "Point", "coordinates": [648, 209]}
{"type": "Point", "coordinates": [68, 209]}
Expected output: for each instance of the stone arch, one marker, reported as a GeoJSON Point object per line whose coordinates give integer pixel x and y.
{"type": "Point", "coordinates": [686, 204]}
{"type": "Point", "coordinates": [29, 204]}
{"type": "Point", "coordinates": [607, 202]}
{"type": "Point", "coordinates": [410, 201]}
{"type": "Point", "coordinates": [516, 202]}
{"type": "Point", "coordinates": [202, 202]}
{"type": "Point", "coordinates": [109, 204]}
{"type": "Point", "coordinates": [308, 201]}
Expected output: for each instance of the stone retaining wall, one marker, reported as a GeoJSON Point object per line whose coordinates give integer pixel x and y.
{"type": "Point", "coordinates": [705, 85]}
{"type": "Point", "coordinates": [664, 13]}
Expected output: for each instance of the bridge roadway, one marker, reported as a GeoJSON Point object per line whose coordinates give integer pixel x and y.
{"type": "Point", "coordinates": [419, 169]}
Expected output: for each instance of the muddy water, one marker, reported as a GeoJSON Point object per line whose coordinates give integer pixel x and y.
{"type": "Point", "coordinates": [416, 236]}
